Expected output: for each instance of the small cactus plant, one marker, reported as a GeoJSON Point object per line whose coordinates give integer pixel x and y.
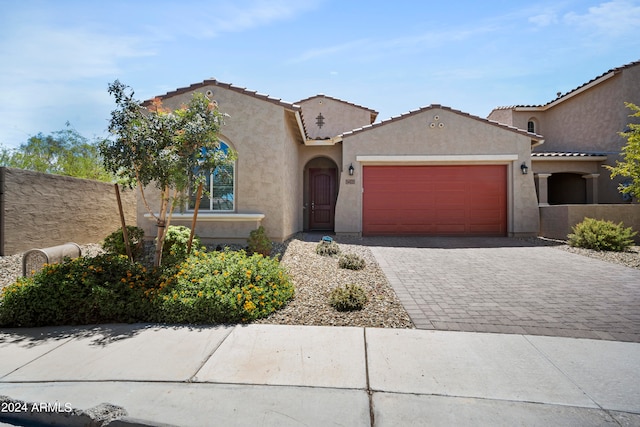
{"type": "Point", "coordinates": [351, 262]}
{"type": "Point", "coordinates": [327, 248]}
{"type": "Point", "coordinates": [348, 298]}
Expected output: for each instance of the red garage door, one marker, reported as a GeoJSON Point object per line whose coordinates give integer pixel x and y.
{"type": "Point", "coordinates": [435, 200]}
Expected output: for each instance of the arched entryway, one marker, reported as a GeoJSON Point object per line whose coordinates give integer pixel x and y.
{"type": "Point", "coordinates": [320, 194]}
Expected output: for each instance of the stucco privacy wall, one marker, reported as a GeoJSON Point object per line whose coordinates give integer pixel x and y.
{"type": "Point", "coordinates": [40, 210]}
{"type": "Point", "coordinates": [260, 132]}
{"type": "Point", "coordinates": [557, 221]}
{"type": "Point", "coordinates": [461, 139]}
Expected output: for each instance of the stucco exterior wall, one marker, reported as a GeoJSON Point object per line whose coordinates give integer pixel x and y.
{"type": "Point", "coordinates": [42, 210]}
{"type": "Point", "coordinates": [504, 116]}
{"type": "Point", "coordinates": [588, 121]}
{"type": "Point", "coordinates": [259, 132]}
{"type": "Point", "coordinates": [576, 166]}
{"type": "Point", "coordinates": [292, 189]}
{"type": "Point", "coordinates": [338, 116]}
{"type": "Point", "coordinates": [460, 135]}
{"type": "Point", "coordinates": [557, 221]}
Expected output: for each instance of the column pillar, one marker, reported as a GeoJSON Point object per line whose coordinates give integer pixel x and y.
{"type": "Point", "coordinates": [592, 188]}
{"type": "Point", "coordinates": [543, 188]}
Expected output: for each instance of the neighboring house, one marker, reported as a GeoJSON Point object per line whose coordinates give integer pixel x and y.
{"type": "Point", "coordinates": [322, 164]}
{"type": "Point", "coordinates": [581, 131]}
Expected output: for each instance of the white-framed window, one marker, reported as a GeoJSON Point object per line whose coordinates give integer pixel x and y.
{"type": "Point", "coordinates": [221, 186]}
{"type": "Point", "coordinates": [532, 125]}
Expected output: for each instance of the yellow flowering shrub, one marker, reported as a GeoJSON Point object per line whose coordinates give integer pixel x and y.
{"type": "Point", "coordinates": [224, 287]}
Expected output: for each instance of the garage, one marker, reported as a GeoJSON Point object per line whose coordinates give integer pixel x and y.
{"type": "Point", "coordinates": [443, 200]}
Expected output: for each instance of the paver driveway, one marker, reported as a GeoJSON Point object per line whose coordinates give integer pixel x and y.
{"type": "Point", "coordinates": [510, 286]}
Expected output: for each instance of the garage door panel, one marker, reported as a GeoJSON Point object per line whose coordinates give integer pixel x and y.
{"type": "Point", "coordinates": [444, 229]}
{"type": "Point", "coordinates": [435, 200]}
{"type": "Point", "coordinates": [486, 217]}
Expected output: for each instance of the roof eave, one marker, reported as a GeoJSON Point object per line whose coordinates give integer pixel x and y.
{"type": "Point", "coordinates": [321, 142]}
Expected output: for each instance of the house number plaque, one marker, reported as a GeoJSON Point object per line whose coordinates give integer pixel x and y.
{"type": "Point", "coordinates": [350, 181]}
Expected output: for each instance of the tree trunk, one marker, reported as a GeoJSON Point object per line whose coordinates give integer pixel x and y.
{"type": "Point", "coordinates": [125, 234]}
{"type": "Point", "coordinates": [195, 217]}
{"type": "Point", "coordinates": [161, 227]}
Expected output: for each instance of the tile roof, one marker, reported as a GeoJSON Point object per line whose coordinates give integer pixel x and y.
{"type": "Point", "coordinates": [245, 91]}
{"type": "Point", "coordinates": [442, 107]}
{"type": "Point", "coordinates": [565, 154]}
{"type": "Point", "coordinates": [562, 96]}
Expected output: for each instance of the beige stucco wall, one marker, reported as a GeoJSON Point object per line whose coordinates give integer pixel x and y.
{"type": "Point", "coordinates": [588, 121]}
{"type": "Point", "coordinates": [338, 116]}
{"type": "Point", "coordinates": [557, 221]}
{"type": "Point", "coordinates": [460, 135]}
{"type": "Point", "coordinates": [263, 136]}
{"type": "Point", "coordinates": [42, 210]}
{"type": "Point", "coordinates": [504, 116]}
{"type": "Point", "coordinates": [569, 166]}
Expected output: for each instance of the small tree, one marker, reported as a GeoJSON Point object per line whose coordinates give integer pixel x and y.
{"type": "Point", "coordinates": [630, 166]}
{"type": "Point", "coordinates": [64, 152]}
{"type": "Point", "coordinates": [172, 150]}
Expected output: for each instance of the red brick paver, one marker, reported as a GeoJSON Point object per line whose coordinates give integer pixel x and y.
{"type": "Point", "coordinates": [510, 286]}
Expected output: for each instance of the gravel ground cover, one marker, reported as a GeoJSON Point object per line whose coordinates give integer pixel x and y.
{"type": "Point", "coordinates": [630, 258]}
{"type": "Point", "coordinates": [314, 277]}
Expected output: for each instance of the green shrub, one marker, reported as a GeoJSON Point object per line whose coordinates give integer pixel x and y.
{"type": "Point", "coordinates": [348, 298]}
{"type": "Point", "coordinates": [223, 287]}
{"type": "Point", "coordinates": [114, 242]}
{"type": "Point", "coordinates": [216, 287]}
{"type": "Point", "coordinates": [601, 235]}
{"type": "Point", "coordinates": [174, 248]}
{"type": "Point", "coordinates": [351, 262]}
{"type": "Point", "coordinates": [327, 248]}
{"type": "Point", "coordinates": [86, 290]}
{"type": "Point", "coordinates": [259, 243]}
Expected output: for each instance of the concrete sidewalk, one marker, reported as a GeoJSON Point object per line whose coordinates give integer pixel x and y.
{"type": "Point", "coordinates": [306, 375]}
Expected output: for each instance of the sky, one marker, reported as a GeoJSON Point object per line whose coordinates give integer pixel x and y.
{"type": "Point", "coordinates": [58, 57]}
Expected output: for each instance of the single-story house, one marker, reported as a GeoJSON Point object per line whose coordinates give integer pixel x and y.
{"type": "Point", "coordinates": [581, 131]}
{"type": "Point", "coordinates": [323, 164]}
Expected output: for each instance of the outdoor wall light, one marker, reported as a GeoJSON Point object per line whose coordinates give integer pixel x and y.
{"type": "Point", "coordinates": [351, 169]}
{"type": "Point", "coordinates": [524, 168]}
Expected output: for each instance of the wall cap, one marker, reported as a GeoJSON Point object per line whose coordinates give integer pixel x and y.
{"type": "Point", "coordinates": [210, 217]}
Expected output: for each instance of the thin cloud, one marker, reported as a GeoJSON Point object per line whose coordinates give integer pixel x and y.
{"type": "Point", "coordinates": [331, 50]}
{"type": "Point", "coordinates": [544, 19]}
{"type": "Point", "coordinates": [47, 54]}
{"type": "Point", "coordinates": [367, 47]}
{"type": "Point", "coordinates": [613, 19]}
{"type": "Point", "coordinates": [241, 16]}
{"type": "Point", "coordinates": [436, 38]}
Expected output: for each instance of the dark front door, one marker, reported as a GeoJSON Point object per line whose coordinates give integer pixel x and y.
{"type": "Point", "coordinates": [322, 198]}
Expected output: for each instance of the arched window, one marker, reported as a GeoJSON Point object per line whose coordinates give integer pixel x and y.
{"type": "Point", "coordinates": [532, 125]}
{"type": "Point", "coordinates": [220, 184]}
